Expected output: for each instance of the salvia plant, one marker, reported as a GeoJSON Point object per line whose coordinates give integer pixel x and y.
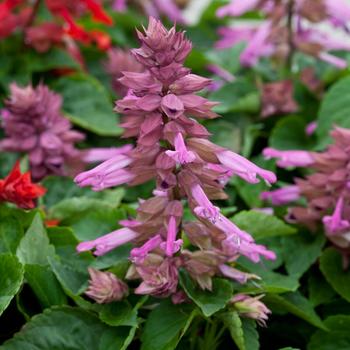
{"type": "Point", "coordinates": [208, 209]}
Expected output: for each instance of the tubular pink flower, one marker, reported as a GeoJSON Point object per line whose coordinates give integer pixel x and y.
{"type": "Point", "coordinates": [237, 8]}
{"type": "Point", "coordinates": [335, 224]}
{"type": "Point", "coordinates": [334, 60]}
{"type": "Point", "coordinates": [108, 174]}
{"type": "Point", "coordinates": [102, 154]}
{"type": "Point", "coordinates": [339, 11]}
{"type": "Point", "coordinates": [138, 255]}
{"type": "Point", "coordinates": [243, 168]}
{"type": "Point", "coordinates": [289, 158]}
{"type": "Point", "coordinates": [237, 275]}
{"type": "Point", "coordinates": [258, 46]}
{"type": "Point", "coordinates": [171, 246]}
{"type": "Point", "coordinates": [204, 209]}
{"type": "Point", "coordinates": [108, 242]}
{"type": "Point", "coordinates": [221, 72]}
{"type": "Point", "coordinates": [230, 36]}
{"type": "Point", "coordinates": [181, 155]}
{"type": "Point", "coordinates": [282, 196]}
{"type": "Point", "coordinates": [311, 128]}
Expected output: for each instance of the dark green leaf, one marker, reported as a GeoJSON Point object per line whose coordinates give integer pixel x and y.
{"type": "Point", "coordinates": [119, 314]}
{"type": "Point", "coordinates": [296, 304]}
{"type": "Point", "coordinates": [45, 285]}
{"type": "Point", "coordinates": [261, 225]}
{"type": "Point", "coordinates": [63, 328]}
{"type": "Point", "coordinates": [34, 247]}
{"type": "Point", "coordinates": [332, 268]}
{"type": "Point", "coordinates": [208, 301]}
{"type": "Point", "coordinates": [87, 104]}
{"type": "Point", "coordinates": [166, 325]}
{"type": "Point", "coordinates": [11, 233]}
{"type": "Point", "coordinates": [11, 278]}
{"type": "Point", "coordinates": [320, 292]}
{"type": "Point", "coordinates": [338, 337]}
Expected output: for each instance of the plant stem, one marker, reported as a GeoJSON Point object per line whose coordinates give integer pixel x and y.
{"type": "Point", "coordinates": [289, 61]}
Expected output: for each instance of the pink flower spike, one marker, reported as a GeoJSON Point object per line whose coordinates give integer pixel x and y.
{"type": "Point", "coordinates": [237, 8]}
{"type": "Point", "coordinates": [108, 242]}
{"type": "Point", "coordinates": [172, 106]}
{"type": "Point", "coordinates": [282, 196]}
{"type": "Point", "coordinates": [138, 255]}
{"type": "Point", "coordinates": [181, 155]}
{"type": "Point", "coordinates": [102, 154]}
{"type": "Point", "coordinates": [205, 208]}
{"type": "Point", "coordinates": [334, 224]}
{"type": "Point", "coordinates": [289, 158]}
{"type": "Point", "coordinates": [171, 246]}
{"type": "Point", "coordinates": [243, 168]}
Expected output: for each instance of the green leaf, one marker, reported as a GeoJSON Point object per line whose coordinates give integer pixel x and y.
{"type": "Point", "coordinates": [87, 104]}
{"type": "Point", "coordinates": [289, 133]}
{"type": "Point", "coordinates": [296, 304]}
{"type": "Point", "coordinates": [334, 110]}
{"type": "Point", "coordinates": [11, 278]}
{"type": "Point", "coordinates": [166, 325]}
{"type": "Point", "coordinates": [332, 269]}
{"type": "Point", "coordinates": [73, 281]}
{"type": "Point", "coordinates": [251, 335]}
{"type": "Point", "coordinates": [234, 324]}
{"type": "Point", "coordinates": [45, 285]}
{"type": "Point", "coordinates": [11, 233]}
{"type": "Point", "coordinates": [208, 301]}
{"type": "Point", "coordinates": [308, 247]}
{"type": "Point", "coordinates": [261, 225]}
{"type": "Point", "coordinates": [68, 328]}
{"type": "Point", "coordinates": [232, 95]}
{"type": "Point", "coordinates": [337, 338]}
{"type": "Point", "coordinates": [119, 314]}
{"type": "Point", "coordinates": [320, 292]}
{"type": "Point", "coordinates": [34, 247]}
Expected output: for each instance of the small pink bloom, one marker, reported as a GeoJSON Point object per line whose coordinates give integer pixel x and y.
{"type": "Point", "coordinates": [108, 174]}
{"type": "Point", "coordinates": [230, 36]}
{"type": "Point", "coordinates": [172, 106]}
{"type": "Point", "coordinates": [102, 154]}
{"type": "Point", "coordinates": [335, 224]}
{"type": "Point", "coordinates": [221, 72]}
{"type": "Point", "coordinates": [138, 255]}
{"type": "Point", "coordinates": [106, 243]}
{"type": "Point", "coordinates": [171, 246]}
{"type": "Point", "coordinates": [334, 60]}
{"type": "Point", "coordinates": [244, 168]}
{"type": "Point", "coordinates": [236, 275]}
{"type": "Point", "coordinates": [105, 287]}
{"type": "Point", "coordinates": [237, 8]}
{"type": "Point", "coordinates": [181, 155]}
{"type": "Point", "coordinates": [119, 5]}
{"type": "Point", "coordinates": [204, 208]}
{"type": "Point", "coordinates": [289, 158]}
{"type": "Point", "coordinates": [282, 196]}
{"type": "Point", "coordinates": [311, 128]}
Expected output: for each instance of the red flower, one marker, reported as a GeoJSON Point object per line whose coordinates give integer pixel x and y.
{"type": "Point", "coordinates": [18, 188]}
{"type": "Point", "coordinates": [98, 12]}
{"type": "Point", "coordinates": [103, 40]}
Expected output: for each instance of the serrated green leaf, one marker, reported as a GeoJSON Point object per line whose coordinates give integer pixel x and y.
{"type": "Point", "coordinates": [332, 269]}
{"type": "Point", "coordinates": [208, 301]}
{"type": "Point", "coordinates": [45, 285]}
{"type": "Point", "coordinates": [11, 233]}
{"type": "Point", "coordinates": [296, 304]}
{"type": "Point", "coordinates": [166, 325]}
{"type": "Point", "coordinates": [68, 328]}
{"type": "Point", "coordinates": [87, 104]}
{"type": "Point", "coordinates": [308, 247]}
{"type": "Point", "coordinates": [34, 248]}
{"type": "Point", "coordinates": [261, 225]}
{"type": "Point", "coordinates": [233, 322]}
{"type": "Point", "coordinates": [334, 110]}
{"type": "Point", "coordinates": [338, 336]}
{"type": "Point", "coordinates": [119, 314]}
{"type": "Point", "coordinates": [11, 278]}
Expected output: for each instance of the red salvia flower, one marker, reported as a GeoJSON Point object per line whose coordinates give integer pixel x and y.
{"type": "Point", "coordinates": [18, 188]}
{"type": "Point", "coordinates": [97, 11]}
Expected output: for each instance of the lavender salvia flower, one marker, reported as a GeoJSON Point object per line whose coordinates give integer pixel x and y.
{"type": "Point", "coordinates": [174, 149]}
{"type": "Point", "coordinates": [326, 190]}
{"type": "Point", "coordinates": [270, 37]}
{"type": "Point", "coordinates": [34, 124]}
